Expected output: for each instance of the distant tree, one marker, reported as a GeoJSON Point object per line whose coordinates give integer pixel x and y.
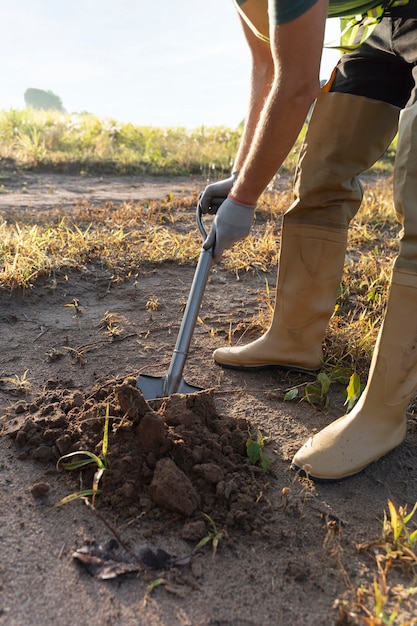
{"type": "Point", "coordinates": [40, 99]}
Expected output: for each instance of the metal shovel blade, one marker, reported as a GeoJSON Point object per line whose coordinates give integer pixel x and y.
{"type": "Point", "coordinates": [153, 387]}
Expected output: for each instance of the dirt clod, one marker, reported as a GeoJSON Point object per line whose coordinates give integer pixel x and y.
{"type": "Point", "coordinates": [182, 457]}
{"type": "Point", "coordinates": [38, 490]}
{"type": "Point", "coordinates": [171, 489]}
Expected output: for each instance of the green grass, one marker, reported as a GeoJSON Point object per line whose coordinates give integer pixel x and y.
{"type": "Point", "coordinates": [86, 144]}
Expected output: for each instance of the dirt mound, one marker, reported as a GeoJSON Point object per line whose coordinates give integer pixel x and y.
{"type": "Point", "coordinates": [177, 457]}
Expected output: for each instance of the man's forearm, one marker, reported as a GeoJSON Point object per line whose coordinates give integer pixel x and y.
{"type": "Point", "coordinates": [279, 126]}
{"type": "Point", "coordinates": [262, 75]}
{"type": "Point", "coordinates": [261, 80]}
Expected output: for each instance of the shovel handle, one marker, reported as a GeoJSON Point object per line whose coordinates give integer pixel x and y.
{"type": "Point", "coordinates": [215, 203]}
{"type": "Point", "coordinates": [200, 224]}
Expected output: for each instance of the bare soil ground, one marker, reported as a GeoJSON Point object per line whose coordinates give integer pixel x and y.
{"type": "Point", "coordinates": [287, 549]}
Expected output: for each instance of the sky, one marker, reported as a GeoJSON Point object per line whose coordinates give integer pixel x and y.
{"type": "Point", "coordinates": [159, 63]}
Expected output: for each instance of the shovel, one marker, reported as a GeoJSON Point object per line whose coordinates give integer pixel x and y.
{"type": "Point", "coordinates": [153, 387]}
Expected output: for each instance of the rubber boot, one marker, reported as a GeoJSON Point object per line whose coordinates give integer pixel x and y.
{"type": "Point", "coordinates": [311, 264]}
{"type": "Point", "coordinates": [377, 424]}
{"type": "Point", "coordinates": [345, 136]}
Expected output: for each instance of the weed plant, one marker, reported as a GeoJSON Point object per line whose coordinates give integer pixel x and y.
{"type": "Point", "coordinates": [395, 552]}
{"type": "Point", "coordinates": [85, 458]}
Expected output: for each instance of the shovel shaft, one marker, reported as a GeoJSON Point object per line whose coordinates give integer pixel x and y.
{"type": "Point", "coordinates": [154, 387]}
{"type": "Point", "coordinates": [174, 375]}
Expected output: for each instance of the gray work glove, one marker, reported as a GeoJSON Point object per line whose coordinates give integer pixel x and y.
{"type": "Point", "coordinates": [233, 221]}
{"type": "Point", "coordinates": [216, 193]}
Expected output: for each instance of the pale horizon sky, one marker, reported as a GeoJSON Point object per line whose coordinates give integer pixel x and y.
{"type": "Point", "coordinates": [179, 63]}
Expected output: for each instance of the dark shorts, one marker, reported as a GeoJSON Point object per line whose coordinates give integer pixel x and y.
{"type": "Point", "coordinates": [384, 67]}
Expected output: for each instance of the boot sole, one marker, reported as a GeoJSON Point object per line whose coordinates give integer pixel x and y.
{"type": "Point", "coordinates": [269, 366]}
{"type": "Point", "coordinates": [317, 479]}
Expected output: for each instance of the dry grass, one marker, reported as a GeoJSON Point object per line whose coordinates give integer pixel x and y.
{"type": "Point", "coordinates": [395, 559]}
{"type": "Point", "coordinates": [125, 239]}
{"type": "Point", "coordinates": [373, 244]}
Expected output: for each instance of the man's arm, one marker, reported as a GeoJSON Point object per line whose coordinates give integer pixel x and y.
{"type": "Point", "coordinates": [296, 51]}
{"type": "Point", "coordinates": [262, 75]}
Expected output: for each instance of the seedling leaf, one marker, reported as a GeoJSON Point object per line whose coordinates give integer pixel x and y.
{"type": "Point", "coordinates": [291, 394]}
{"type": "Point", "coordinates": [408, 517]}
{"type": "Point", "coordinates": [396, 528]}
{"type": "Point", "coordinates": [253, 450]}
{"type": "Point", "coordinates": [74, 465]}
{"type": "Point", "coordinates": [203, 542]}
{"type": "Point", "coordinates": [105, 444]}
{"type": "Point", "coordinates": [214, 535]}
{"type": "Point", "coordinates": [340, 375]}
{"type": "Point", "coordinates": [92, 458]}
{"type": "Point", "coordinates": [325, 382]}
{"type": "Point", "coordinates": [75, 496]}
{"type": "Point", "coordinates": [353, 391]}
{"type": "Point", "coordinates": [265, 463]}
{"type": "Point", "coordinates": [313, 394]}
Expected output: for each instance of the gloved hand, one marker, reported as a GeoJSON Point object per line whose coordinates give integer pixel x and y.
{"type": "Point", "coordinates": [233, 221]}
{"type": "Point", "coordinates": [216, 193]}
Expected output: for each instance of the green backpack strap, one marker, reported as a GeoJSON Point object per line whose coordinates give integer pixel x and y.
{"type": "Point", "coordinates": [247, 21]}
{"type": "Point", "coordinates": [350, 26]}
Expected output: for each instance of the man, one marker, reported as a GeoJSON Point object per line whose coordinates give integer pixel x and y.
{"type": "Point", "coordinates": [372, 95]}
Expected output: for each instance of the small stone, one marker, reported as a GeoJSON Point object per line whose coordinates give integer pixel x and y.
{"type": "Point", "coordinates": [43, 453]}
{"type": "Point", "coordinates": [193, 531]}
{"type": "Point", "coordinates": [20, 407]}
{"type": "Point", "coordinates": [63, 444]}
{"type": "Point", "coordinates": [77, 399]}
{"type": "Point", "coordinates": [38, 490]}
{"type": "Point", "coordinates": [211, 472]}
{"type": "Point", "coordinates": [21, 438]}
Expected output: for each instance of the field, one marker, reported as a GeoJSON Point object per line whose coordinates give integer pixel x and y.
{"type": "Point", "coordinates": [96, 270]}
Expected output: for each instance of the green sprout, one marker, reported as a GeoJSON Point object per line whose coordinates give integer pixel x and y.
{"type": "Point", "coordinates": [214, 535]}
{"type": "Point", "coordinates": [90, 458]}
{"type": "Point", "coordinates": [255, 451]}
